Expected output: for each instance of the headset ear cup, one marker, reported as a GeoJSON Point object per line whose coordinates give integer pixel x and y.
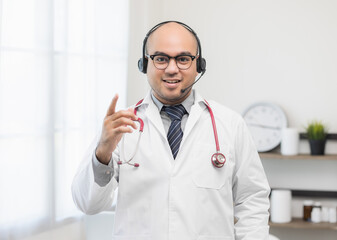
{"type": "Point", "coordinates": [198, 65]}
{"type": "Point", "coordinates": [142, 65]}
{"type": "Point", "coordinates": [201, 65]}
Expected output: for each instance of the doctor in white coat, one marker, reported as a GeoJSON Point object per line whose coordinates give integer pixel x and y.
{"type": "Point", "coordinates": [180, 195]}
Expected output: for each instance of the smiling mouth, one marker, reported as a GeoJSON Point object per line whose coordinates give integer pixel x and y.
{"type": "Point", "coordinates": [171, 81]}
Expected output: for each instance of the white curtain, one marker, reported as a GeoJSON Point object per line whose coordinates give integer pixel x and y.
{"type": "Point", "coordinates": [61, 62]}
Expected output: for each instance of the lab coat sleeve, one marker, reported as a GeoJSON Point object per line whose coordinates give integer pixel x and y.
{"type": "Point", "coordinates": [93, 194]}
{"type": "Point", "coordinates": [102, 173]}
{"type": "Point", "coordinates": [250, 189]}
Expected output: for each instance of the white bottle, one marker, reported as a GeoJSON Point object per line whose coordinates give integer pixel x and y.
{"type": "Point", "coordinates": [316, 215]}
{"type": "Point", "coordinates": [280, 210]}
{"type": "Point", "coordinates": [325, 214]}
{"type": "Point", "coordinates": [332, 215]}
{"type": "Point", "coordinates": [317, 205]}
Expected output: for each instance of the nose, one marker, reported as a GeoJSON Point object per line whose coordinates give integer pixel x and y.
{"type": "Point", "coordinates": [172, 67]}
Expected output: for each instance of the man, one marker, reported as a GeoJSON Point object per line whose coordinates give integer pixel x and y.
{"type": "Point", "coordinates": [171, 183]}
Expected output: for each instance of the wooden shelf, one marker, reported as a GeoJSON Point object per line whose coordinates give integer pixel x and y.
{"type": "Point", "coordinates": [298, 223]}
{"type": "Point", "coordinates": [276, 155]}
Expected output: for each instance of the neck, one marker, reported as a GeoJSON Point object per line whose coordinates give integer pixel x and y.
{"type": "Point", "coordinates": [187, 102]}
{"type": "Point", "coordinates": [175, 101]}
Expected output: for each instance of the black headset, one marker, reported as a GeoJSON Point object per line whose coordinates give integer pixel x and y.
{"type": "Point", "coordinates": [142, 62]}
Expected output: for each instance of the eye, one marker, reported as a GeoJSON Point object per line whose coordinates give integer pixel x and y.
{"type": "Point", "coordinates": [184, 59]}
{"type": "Point", "coordinates": [161, 59]}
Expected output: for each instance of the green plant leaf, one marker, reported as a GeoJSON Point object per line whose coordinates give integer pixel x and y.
{"type": "Point", "coordinates": [316, 130]}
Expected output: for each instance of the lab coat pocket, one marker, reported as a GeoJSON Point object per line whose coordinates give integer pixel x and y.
{"type": "Point", "coordinates": [213, 194]}
{"type": "Point", "coordinates": [208, 176]}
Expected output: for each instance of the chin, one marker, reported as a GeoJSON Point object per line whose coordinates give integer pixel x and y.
{"type": "Point", "coordinates": [177, 98]}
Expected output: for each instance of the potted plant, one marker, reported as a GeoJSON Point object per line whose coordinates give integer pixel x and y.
{"type": "Point", "coordinates": [316, 133]}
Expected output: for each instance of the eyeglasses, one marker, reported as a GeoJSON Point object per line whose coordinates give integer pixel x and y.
{"type": "Point", "coordinates": [161, 61]}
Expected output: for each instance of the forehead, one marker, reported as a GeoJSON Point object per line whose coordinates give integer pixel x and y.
{"type": "Point", "coordinates": [172, 38]}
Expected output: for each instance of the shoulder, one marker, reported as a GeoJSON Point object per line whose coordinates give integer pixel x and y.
{"type": "Point", "coordinates": [220, 111]}
{"type": "Point", "coordinates": [232, 121]}
{"type": "Point", "coordinates": [224, 112]}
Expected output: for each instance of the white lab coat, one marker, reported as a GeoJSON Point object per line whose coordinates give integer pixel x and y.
{"type": "Point", "coordinates": [186, 198]}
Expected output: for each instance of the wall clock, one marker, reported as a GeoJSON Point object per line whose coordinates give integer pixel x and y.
{"type": "Point", "coordinates": [265, 121]}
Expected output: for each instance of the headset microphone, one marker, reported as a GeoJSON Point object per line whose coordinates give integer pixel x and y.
{"type": "Point", "coordinates": [184, 90]}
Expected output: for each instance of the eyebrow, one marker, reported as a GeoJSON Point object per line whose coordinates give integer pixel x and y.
{"type": "Point", "coordinates": [181, 53]}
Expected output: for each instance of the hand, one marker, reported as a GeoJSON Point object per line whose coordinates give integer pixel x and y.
{"type": "Point", "coordinates": [115, 124]}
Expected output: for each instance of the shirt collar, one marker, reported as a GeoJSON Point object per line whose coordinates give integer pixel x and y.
{"type": "Point", "coordinates": [187, 103]}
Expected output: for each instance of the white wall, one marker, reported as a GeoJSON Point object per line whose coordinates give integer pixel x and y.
{"type": "Point", "coordinates": [280, 51]}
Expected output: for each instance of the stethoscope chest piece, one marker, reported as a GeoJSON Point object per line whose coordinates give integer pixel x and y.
{"type": "Point", "coordinates": [218, 160]}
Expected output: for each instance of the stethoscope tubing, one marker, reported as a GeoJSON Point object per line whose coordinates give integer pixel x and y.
{"type": "Point", "coordinates": [134, 152]}
{"type": "Point", "coordinates": [214, 127]}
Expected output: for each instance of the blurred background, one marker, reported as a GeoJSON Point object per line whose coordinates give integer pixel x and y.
{"type": "Point", "coordinates": [62, 61]}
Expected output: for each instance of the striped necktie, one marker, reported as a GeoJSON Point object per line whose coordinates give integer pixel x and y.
{"type": "Point", "coordinates": [175, 134]}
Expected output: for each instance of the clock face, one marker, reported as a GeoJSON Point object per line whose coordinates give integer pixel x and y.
{"type": "Point", "coordinates": [265, 122]}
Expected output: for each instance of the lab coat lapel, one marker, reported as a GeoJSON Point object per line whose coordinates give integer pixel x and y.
{"type": "Point", "coordinates": [196, 111]}
{"type": "Point", "coordinates": [153, 115]}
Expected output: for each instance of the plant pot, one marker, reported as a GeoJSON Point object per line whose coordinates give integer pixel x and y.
{"type": "Point", "coordinates": [317, 147]}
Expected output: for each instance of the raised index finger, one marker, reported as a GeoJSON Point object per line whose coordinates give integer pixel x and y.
{"type": "Point", "coordinates": [112, 107]}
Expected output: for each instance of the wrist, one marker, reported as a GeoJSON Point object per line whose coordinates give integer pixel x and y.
{"type": "Point", "coordinates": [102, 156]}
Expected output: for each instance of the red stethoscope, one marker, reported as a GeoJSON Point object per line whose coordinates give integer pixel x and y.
{"type": "Point", "coordinates": [218, 159]}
